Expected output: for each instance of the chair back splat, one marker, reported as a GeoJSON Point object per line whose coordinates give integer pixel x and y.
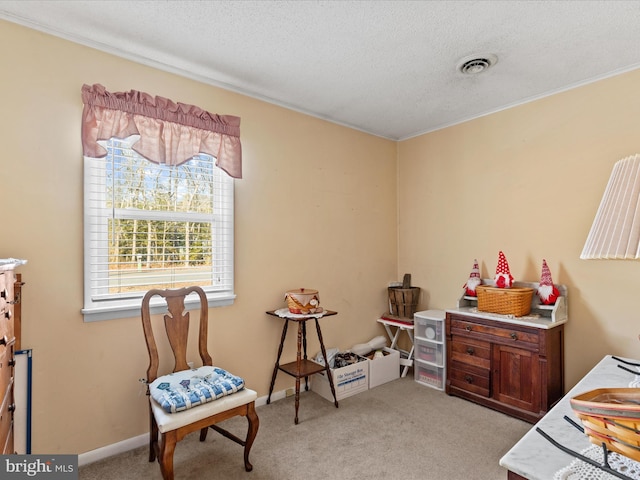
{"type": "Point", "coordinates": [176, 324]}
{"type": "Point", "coordinates": [220, 395]}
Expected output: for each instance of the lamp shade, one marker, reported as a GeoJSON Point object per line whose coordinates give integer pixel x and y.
{"type": "Point", "coordinates": [615, 233]}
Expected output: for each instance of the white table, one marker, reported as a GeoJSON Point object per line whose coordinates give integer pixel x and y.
{"type": "Point", "coordinates": [534, 457]}
{"type": "Point", "coordinates": [389, 325]}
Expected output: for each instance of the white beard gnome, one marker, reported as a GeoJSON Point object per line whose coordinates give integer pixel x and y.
{"type": "Point", "coordinates": [474, 280]}
{"type": "Point", "coordinates": [547, 291]}
{"type": "Point", "coordinates": [503, 276]}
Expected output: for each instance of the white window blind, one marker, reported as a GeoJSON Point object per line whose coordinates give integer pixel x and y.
{"type": "Point", "coordinates": [150, 225]}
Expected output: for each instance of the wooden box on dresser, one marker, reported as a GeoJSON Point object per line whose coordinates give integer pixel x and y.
{"type": "Point", "coordinates": [511, 364]}
{"type": "Point", "coordinates": [10, 294]}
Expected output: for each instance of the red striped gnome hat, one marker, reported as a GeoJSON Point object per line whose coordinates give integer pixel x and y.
{"type": "Point", "coordinates": [503, 277]}
{"type": "Point", "coordinates": [474, 280]}
{"type": "Point", "coordinates": [545, 277]}
{"type": "Point", "coordinates": [547, 291]}
{"type": "Point", "coordinates": [475, 271]}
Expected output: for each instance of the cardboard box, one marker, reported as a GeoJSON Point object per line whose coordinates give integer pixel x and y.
{"type": "Point", "coordinates": [385, 369]}
{"type": "Point", "coordinates": [347, 381]}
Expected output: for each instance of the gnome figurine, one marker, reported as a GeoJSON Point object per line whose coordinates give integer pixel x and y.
{"type": "Point", "coordinates": [474, 280]}
{"type": "Point", "coordinates": [547, 291]}
{"type": "Point", "coordinates": [503, 276]}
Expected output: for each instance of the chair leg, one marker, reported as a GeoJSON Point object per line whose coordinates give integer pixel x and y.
{"type": "Point", "coordinates": [252, 431]}
{"type": "Point", "coordinates": [167, 448]}
{"type": "Point", "coordinates": [153, 437]}
{"type": "Point", "coordinates": [203, 434]}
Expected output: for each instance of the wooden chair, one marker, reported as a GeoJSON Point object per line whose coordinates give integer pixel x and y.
{"type": "Point", "coordinates": [174, 426]}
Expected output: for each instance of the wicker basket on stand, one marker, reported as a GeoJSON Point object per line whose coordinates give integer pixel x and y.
{"type": "Point", "coordinates": [505, 301]}
{"type": "Point", "coordinates": [403, 302]}
{"type": "Point", "coordinates": [403, 299]}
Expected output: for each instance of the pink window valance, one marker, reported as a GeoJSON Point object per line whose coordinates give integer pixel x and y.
{"type": "Point", "coordinates": [170, 132]}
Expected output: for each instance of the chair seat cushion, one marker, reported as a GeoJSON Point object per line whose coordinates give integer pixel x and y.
{"type": "Point", "coordinates": [185, 389]}
{"type": "Point", "coordinates": [171, 421]}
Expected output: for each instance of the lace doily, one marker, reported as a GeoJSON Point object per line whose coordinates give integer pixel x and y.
{"type": "Point", "coordinates": [285, 313]}
{"type": "Point", "coordinates": [579, 470]}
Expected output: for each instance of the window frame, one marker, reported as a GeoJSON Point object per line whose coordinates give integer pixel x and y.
{"type": "Point", "coordinates": [107, 307]}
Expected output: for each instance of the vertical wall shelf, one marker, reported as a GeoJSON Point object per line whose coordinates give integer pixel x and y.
{"type": "Point", "coordinates": [430, 354]}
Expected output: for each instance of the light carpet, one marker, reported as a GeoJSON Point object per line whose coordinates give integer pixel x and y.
{"type": "Point", "coordinates": [399, 430]}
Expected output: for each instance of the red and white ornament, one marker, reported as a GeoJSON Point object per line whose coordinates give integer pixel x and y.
{"type": "Point", "coordinates": [547, 291]}
{"type": "Point", "coordinates": [474, 280]}
{"type": "Point", "coordinates": [503, 278]}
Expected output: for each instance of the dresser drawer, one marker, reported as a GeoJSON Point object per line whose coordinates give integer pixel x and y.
{"type": "Point", "coordinates": [470, 381]}
{"type": "Point", "coordinates": [496, 332]}
{"type": "Point", "coordinates": [4, 294]}
{"type": "Point", "coordinates": [7, 299]}
{"type": "Point", "coordinates": [469, 351]}
{"type": "Point", "coordinates": [6, 332]}
{"type": "Point", "coordinates": [6, 369]}
{"type": "Point", "coordinates": [6, 415]}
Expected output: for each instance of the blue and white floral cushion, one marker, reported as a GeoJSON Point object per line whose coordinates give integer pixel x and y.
{"type": "Point", "coordinates": [188, 388]}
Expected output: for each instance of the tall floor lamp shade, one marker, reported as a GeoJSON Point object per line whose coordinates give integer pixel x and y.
{"type": "Point", "coordinates": [615, 233]}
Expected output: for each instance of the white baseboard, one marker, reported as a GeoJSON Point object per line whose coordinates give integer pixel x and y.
{"type": "Point", "coordinates": [142, 440]}
{"type": "Point", "coordinates": [113, 449]}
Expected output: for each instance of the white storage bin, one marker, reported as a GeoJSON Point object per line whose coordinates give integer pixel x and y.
{"type": "Point", "coordinates": [430, 348]}
{"type": "Point", "coordinates": [347, 381]}
{"type": "Point", "coordinates": [430, 352]}
{"type": "Point", "coordinates": [429, 375]}
{"type": "Point", "coordinates": [429, 325]}
{"type": "Point", "coordinates": [385, 369]}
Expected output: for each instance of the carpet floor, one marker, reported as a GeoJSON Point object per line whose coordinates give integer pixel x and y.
{"type": "Point", "coordinates": [399, 430]}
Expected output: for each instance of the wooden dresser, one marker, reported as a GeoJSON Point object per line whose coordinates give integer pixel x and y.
{"type": "Point", "coordinates": [10, 328]}
{"type": "Point", "coordinates": [511, 364]}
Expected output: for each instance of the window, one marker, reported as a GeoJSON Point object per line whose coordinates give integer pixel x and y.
{"type": "Point", "coordinates": [151, 225]}
{"type": "Point", "coordinates": [158, 206]}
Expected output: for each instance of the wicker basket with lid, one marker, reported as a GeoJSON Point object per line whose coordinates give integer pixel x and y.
{"type": "Point", "coordinates": [303, 301]}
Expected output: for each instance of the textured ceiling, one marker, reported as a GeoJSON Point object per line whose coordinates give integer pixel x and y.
{"type": "Point", "coordinates": [387, 68]}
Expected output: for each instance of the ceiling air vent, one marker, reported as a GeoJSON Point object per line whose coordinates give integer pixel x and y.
{"type": "Point", "coordinates": [476, 64]}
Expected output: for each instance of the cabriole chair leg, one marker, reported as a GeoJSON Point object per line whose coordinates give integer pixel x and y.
{"type": "Point", "coordinates": [254, 422]}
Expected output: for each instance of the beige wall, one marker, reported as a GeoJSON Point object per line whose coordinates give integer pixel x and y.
{"type": "Point", "coordinates": [320, 206]}
{"type": "Point", "coordinates": [527, 181]}
{"type": "Point", "coordinates": [316, 208]}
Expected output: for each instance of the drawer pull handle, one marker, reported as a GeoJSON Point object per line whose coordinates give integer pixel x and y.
{"type": "Point", "coordinates": [12, 407]}
{"type": "Point", "coordinates": [4, 293]}
{"type": "Point", "coordinates": [514, 335]}
{"type": "Point", "coordinates": [7, 314]}
{"type": "Point", "coordinates": [468, 328]}
{"type": "Point", "coordinates": [3, 340]}
{"type": "Point", "coordinates": [470, 351]}
{"type": "Point", "coordinates": [11, 363]}
{"type": "Point", "coordinates": [468, 378]}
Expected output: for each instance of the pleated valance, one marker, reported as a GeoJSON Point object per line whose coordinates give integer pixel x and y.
{"type": "Point", "coordinates": [170, 132]}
